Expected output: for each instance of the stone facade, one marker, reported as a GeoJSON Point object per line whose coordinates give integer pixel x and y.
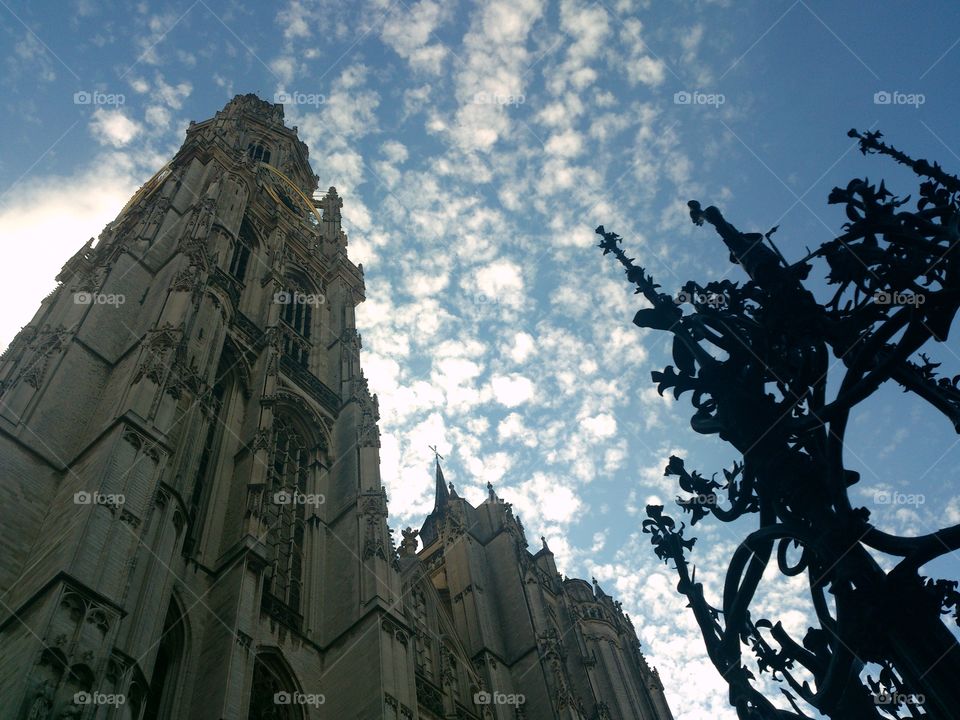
{"type": "Point", "coordinates": [192, 522]}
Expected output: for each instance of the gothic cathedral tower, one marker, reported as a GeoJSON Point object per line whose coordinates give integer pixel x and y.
{"type": "Point", "coordinates": [192, 522]}
{"type": "Point", "coordinates": [191, 504]}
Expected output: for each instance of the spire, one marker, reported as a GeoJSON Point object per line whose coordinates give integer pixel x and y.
{"type": "Point", "coordinates": [443, 492]}
{"type": "Point", "coordinates": [330, 204]}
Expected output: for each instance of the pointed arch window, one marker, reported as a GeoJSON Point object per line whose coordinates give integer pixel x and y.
{"type": "Point", "coordinates": [258, 152]}
{"type": "Point", "coordinates": [272, 682]}
{"type": "Point", "coordinates": [167, 667]}
{"type": "Point", "coordinates": [246, 241]}
{"type": "Point", "coordinates": [297, 316]}
{"type": "Point", "coordinates": [217, 436]}
{"type": "Point", "coordinates": [288, 473]}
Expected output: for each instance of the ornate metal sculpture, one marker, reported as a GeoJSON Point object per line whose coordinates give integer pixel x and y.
{"type": "Point", "coordinates": [755, 358]}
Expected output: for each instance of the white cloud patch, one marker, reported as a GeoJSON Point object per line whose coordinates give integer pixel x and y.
{"type": "Point", "coordinates": [410, 32]}
{"type": "Point", "coordinates": [545, 497]}
{"type": "Point", "coordinates": [492, 72]}
{"type": "Point", "coordinates": [56, 213]}
{"type": "Point", "coordinates": [511, 390]}
{"type": "Point", "coordinates": [113, 127]}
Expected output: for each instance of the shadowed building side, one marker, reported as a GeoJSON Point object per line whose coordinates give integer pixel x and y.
{"type": "Point", "coordinates": [564, 647]}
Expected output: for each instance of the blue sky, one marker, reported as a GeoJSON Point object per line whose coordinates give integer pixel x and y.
{"type": "Point", "coordinates": [476, 147]}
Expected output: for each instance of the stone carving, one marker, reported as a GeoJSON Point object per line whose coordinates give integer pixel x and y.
{"type": "Point", "coordinates": [408, 547]}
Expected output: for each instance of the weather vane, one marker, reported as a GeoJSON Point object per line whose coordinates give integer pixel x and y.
{"type": "Point", "coordinates": [437, 454]}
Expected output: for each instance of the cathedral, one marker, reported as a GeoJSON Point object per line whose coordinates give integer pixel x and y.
{"type": "Point", "coordinates": [192, 520]}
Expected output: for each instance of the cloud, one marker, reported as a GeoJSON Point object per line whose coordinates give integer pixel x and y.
{"type": "Point", "coordinates": [601, 427]}
{"type": "Point", "coordinates": [492, 72]}
{"type": "Point", "coordinates": [640, 65]}
{"type": "Point", "coordinates": [56, 213]}
{"type": "Point", "coordinates": [113, 127]}
{"type": "Point", "coordinates": [409, 30]}
{"type": "Point", "coordinates": [522, 347]}
{"type": "Point", "coordinates": [499, 282]}
{"type": "Point", "coordinates": [511, 390]}
{"type": "Point", "coordinates": [294, 20]}
{"type": "Point", "coordinates": [545, 497]}
{"type": "Point", "coordinates": [158, 116]}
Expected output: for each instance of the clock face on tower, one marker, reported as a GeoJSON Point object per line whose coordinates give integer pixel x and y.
{"type": "Point", "coordinates": [286, 193]}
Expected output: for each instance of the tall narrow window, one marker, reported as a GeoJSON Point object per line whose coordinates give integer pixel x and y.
{"type": "Point", "coordinates": [258, 152]}
{"type": "Point", "coordinates": [166, 669]}
{"type": "Point", "coordinates": [289, 468]}
{"type": "Point", "coordinates": [238, 263]}
{"type": "Point", "coordinates": [246, 240]}
{"type": "Point", "coordinates": [210, 451]}
{"type": "Point", "coordinates": [297, 315]}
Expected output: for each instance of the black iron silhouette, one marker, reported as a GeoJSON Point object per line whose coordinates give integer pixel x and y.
{"type": "Point", "coordinates": [755, 358]}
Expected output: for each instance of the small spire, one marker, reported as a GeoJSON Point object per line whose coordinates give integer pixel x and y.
{"type": "Point", "coordinates": [442, 492]}
{"type": "Point", "coordinates": [597, 590]}
{"type": "Point", "coordinates": [490, 493]}
{"type": "Point", "coordinates": [453, 492]}
{"type": "Point", "coordinates": [543, 539]}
